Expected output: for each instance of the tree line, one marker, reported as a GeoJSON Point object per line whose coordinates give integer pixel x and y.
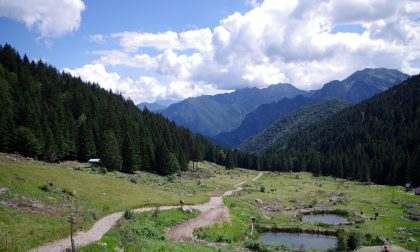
{"type": "Point", "coordinates": [54, 116]}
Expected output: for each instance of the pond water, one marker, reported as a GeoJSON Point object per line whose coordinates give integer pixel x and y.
{"type": "Point", "coordinates": [325, 218]}
{"type": "Point", "coordinates": [300, 240]}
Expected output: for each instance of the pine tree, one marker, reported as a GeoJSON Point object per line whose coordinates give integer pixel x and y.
{"type": "Point", "coordinates": [110, 152]}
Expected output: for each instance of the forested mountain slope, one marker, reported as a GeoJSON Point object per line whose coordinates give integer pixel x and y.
{"type": "Point", "coordinates": [211, 115]}
{"type": "Point", "coordinates": [377, 140]}
{"type": "Point", "coordinates": [287, 125]}
{"type": "Point", "coordinates": [53, 116]}
{"type": "Point", "coordinates": [355, 88]}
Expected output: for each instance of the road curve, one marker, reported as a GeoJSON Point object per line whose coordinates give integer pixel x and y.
{"type": "Point", "coordinates": [212, 212]}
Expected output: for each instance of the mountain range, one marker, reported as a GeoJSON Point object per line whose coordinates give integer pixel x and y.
{"type": "Point", "coordinates": [375, 140]}
{"type": "Point", "coordinates": [211, 115]}
{"type": "Point", "coordinates": [355, 88]}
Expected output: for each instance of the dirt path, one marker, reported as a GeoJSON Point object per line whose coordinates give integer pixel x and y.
{"type": "Point", "coordinates": [212, 212]}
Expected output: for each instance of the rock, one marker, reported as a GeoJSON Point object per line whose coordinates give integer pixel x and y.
{"type": "Point", "coordinates": [4, 190]}
{"type": "Point", "coordinates": [259, 201]}
{"type": "Point", "coordinates": [37, 205]}
{"type": "Point", "coordinates": [413, 212]}
{"type": "Point", "coordinates": [188, 211]}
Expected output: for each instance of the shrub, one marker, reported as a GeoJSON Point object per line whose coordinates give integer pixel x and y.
{"type": "Point", "coordinates": [256, 245]}
{"type": "Point", "coordinates": [103, 170]}
{"type": "Point", "coordinates": [68, 192]}
{"type": "Point", "coordinates": [341, 243]}
{"type": "Point", "coordinates": [262, 189]}
{"type": "Point", "coordinates": [354, 240]}
{"type": "Point", "coordinates": [128, 214]}
{"type": "Point", "coordinates": [170, 178]}
{"type": "Point", "coordinates": [47, 187]}
{"type": "Point", "coordinates": [133, 180]}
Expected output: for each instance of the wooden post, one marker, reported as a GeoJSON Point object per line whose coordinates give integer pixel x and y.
{"type": "Point", "coordinates": [253, 219]}
{"type": "Point", "coordinates": [72, 221]}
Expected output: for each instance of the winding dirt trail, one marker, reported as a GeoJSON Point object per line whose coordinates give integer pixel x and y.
{"type": "Point", "coordinates": [212, 212]}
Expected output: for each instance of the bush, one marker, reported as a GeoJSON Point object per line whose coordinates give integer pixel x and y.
{"type": "Point", "coordinates": [128, 214]}
{"type": "Point", "coordinates": [68, 192]}
{"type": "Point", "coordinates": [103, 170]}
{"type": "Point", "coordinates": [133, 180]}
{"type": "Point", "coordinates": [170, 178]}
{"type": "Point", "coordinates": [354, 240]}
{"type": "Point", "coordinates": [341, 243]}
{"type": "Point", "coordinates": [47, 187]}
{"type": "Point", "coordinates": [256, 245]}
{"type": "Point", "coordinates": [262, 189]}
{"type": "Point", "coordinates": [150, 233]}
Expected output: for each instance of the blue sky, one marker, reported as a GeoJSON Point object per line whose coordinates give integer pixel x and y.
{"type": "Point", "coordinates": [107, 17]}
{"type": "Point", "coordinates": [173, 49]}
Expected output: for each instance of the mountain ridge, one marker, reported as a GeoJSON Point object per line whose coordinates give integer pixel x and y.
{"type": "Point", "coordinates": [290, 123]}
{"type": "Point", "coordinates": [355, 88]}
{"type": "Point", "coordinates": [212, 114]}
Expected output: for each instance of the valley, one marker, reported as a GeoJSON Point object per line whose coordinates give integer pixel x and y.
{"type": "Point", "coordinates": [277, 201]}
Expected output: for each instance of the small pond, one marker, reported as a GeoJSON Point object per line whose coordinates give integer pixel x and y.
{"type": "Point", "coordinates": [300, 240]}
{"type": "Point", "coordinates": [325, 218]}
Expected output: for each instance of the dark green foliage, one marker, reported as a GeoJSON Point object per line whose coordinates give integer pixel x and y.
{"type": "Point", "coordinates": [128, 214]}
{"type": "Point", "coordinates": [287, 125]}
{"type": "Point", "coordinates": [341, 243]}
{"type": "Point", "coordinates": [110, 153]}
{"type": "Point", "coordinates": [230, 160]}
{"type": "Point", "coordinates": [256, 246]}
{"type": "Point", "coordinates": [357, 87]}
{"type": "Point", "coordinates": [377, 140]}
{"type": "Point", "coordinates": [354, 240]}
{"type": "Point", "coordinates": [26, 142]}
{"type": "Point", "coordinates": [53, 116]}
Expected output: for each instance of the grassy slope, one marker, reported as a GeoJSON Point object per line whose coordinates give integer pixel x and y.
{"type": "Point", "coordinates": [95, 195]}
{"type": "Point", "coordinates": [285, 187]}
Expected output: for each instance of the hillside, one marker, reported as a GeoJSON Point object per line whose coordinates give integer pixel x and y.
{"type": "Point", "coordinates": [287, 125]}
{"type": "Point", "coordinates": [53, 116]}
{"type": "Point", "coordinates": [210, 115]}
{"type": "Point", "coordinates": [355, 88]}
{"type": "Point", "coordinates": [261, 118]}
{"type": "Point", "coordinates": [377, 140]}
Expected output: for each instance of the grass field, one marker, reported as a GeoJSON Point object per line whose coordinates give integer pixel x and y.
{"type": "Point", "coordinates": [287, 191]}
{"type": "Point", "coordinates": [41, 196]}
{"type": "Point", "coordinates": [145, 232]}
{"type": "Point", "coordinates": [37, 197]}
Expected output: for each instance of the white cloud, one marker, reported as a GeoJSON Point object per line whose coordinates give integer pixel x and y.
{"type": "Point", "coordinates": [193, 39]}
{"type": "Point", "coordinates": [50, 18]}
{"type": "Point", "coordinates": [145, 88]}
{"type": "Point", "coordinates": [276, 41]}
{"type": "Point", "coordinates": [115, 58]}
{"type": "Point", "coordinates": [97, 38]}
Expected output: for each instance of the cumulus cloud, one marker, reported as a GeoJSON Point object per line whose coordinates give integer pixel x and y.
{"type": "Point", "coordinates": [49, 18]}
{"type": "Point", "coordinates": [276, 41]}
{"type": "Point", "coordinates": [193, 39]}
{"type": "Point", "coordinates": [145, 88]}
